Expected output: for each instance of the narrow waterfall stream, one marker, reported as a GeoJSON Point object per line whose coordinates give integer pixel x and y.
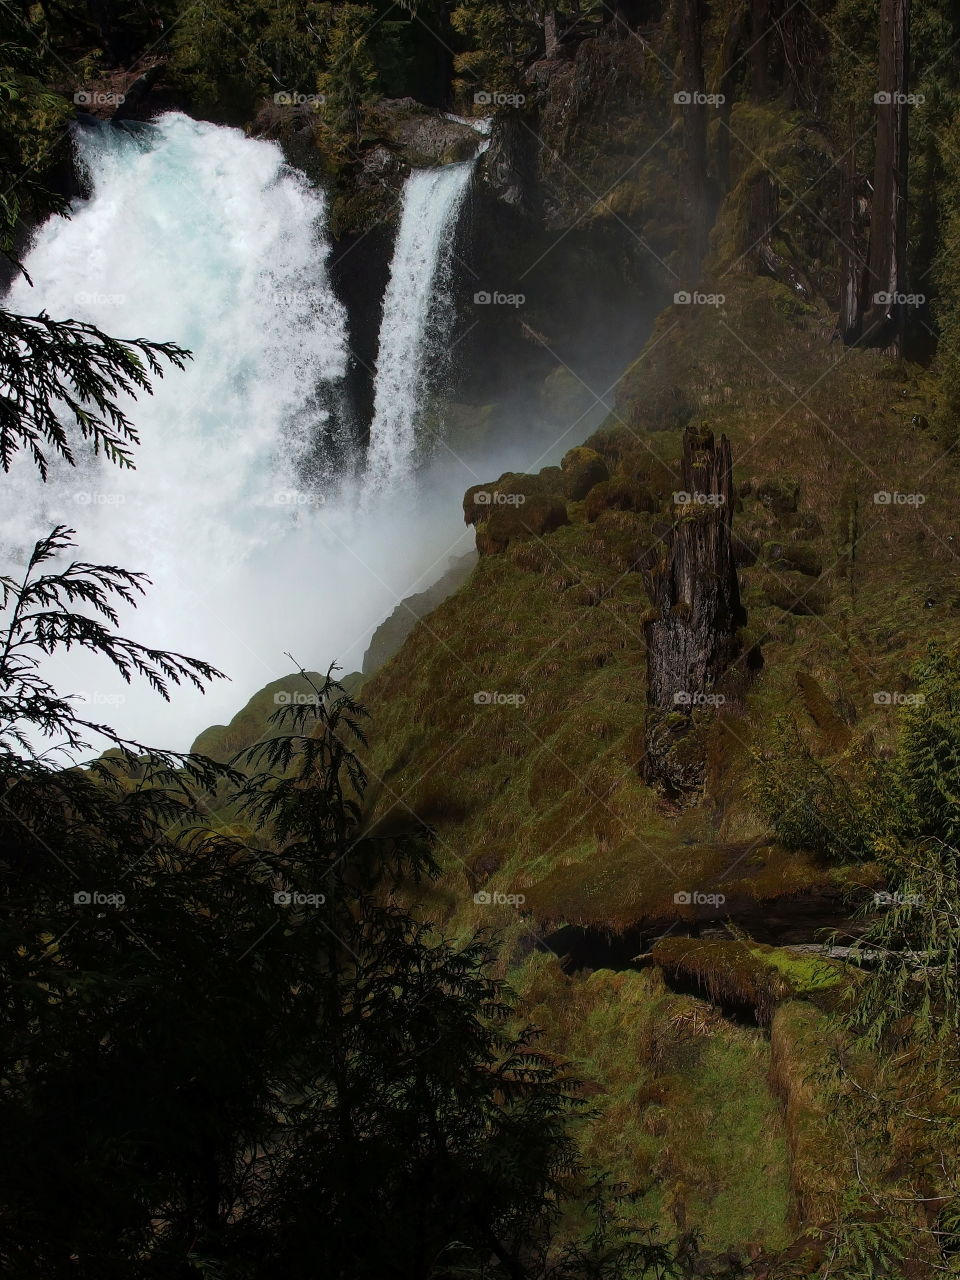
{"type": "Point", "coordinates": [416, 295]}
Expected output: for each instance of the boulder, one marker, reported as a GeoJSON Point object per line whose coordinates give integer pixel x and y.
{"type": "Point", "coordinates": [582, 469]}
{"type": "Point", "coordinates": [511, 491]}
{"type": "Point", "coordinates": [422, 137]}
{"type": "Point", "coordinates": [537, 516]}
{"type": "Point", "coordinates": [619, 494]}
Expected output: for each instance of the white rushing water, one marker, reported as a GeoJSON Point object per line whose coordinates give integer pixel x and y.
{"type": "Point", "coordinates": [198, 235]}
{"type": "Point", "coordinates": [412, 329]}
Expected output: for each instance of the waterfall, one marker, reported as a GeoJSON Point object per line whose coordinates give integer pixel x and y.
{"type": "Point", "coordinates": [195, 234]}
{"type": "Point", "coordinates": [415, 300]}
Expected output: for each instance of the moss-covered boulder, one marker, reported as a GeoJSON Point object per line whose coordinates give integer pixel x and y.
{"type": "Point", "coordinates": [563, 396]}
{"type": "Point", "coordinates": [619, 493]}
{"type": "Point", "coordinates": [513, 489]}
{"type": "Point", "coordinates": [535, 516]}
{"type": "Point", "coordinates": [582, 469]}
{"type": "Point", "coordinates": [780, 495]}
{"type": "Point", "coordinates": [802, 557]}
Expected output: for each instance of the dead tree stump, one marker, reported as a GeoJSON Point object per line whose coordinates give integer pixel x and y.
{"type": "Point", "coordinates": [692, 632]}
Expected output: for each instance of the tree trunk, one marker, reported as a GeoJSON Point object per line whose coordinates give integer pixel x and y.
{"type": "Point", "coordinates": [693, 636]}
{"type": "Point", "coordinates": [550, 32]}
{"type": "Point", "coordinates": [883, 308]}
{"type": "Point", "coordinates": [851, 313]}
{"type": "Point", "coordinates": [694, 117]}
{"type": "Point", "coordinates": [729, 62]}
{"type": "Point", "coordinates": [760, 50]}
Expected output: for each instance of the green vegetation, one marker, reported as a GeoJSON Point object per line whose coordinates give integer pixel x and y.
{"type": "Point", "coordinates": [765, 1111]}
{"type": "Point", "coordinates": [683, 1091]}
{"type": "Point", "coordinates": [229, 1056]}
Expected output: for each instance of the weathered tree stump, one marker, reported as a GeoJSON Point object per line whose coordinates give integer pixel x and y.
{"type": "Point", "coordinates": [693, 631]}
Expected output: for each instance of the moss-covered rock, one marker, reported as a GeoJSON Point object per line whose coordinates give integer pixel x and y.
{"type": "Point", "coordinates": [512, 491]}
{"type": "Point", "coordinates": [536, 516]}
{"type": "Point", "coordinates": [619, 494]}
{"type": "Point", "coordinates": [564, 397]}
{"type": "Point", "coordinates": [423, 137]}
{"type": "Point", "coordinates": [778, 494]}
{"type": "Point", "coordinates": [801, 557]}
{"type": "Point", "coordinates": [582, 469]}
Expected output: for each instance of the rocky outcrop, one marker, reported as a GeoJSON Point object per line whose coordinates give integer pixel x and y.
{"type": "Point", "coordinates": [422, 137]}
{"type": "Point", "coordinates": [582, 469]}
{"type": "Point", "coordinates": [692, 632]}
{"type": "Point", "coordinates": [392, 632]}
{"type": "Point", "coordinates": [516, 508]}
{"type": "Point", "coordinates": [510, 168]}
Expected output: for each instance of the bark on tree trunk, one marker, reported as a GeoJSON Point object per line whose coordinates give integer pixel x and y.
{"type": "Point", "coordinates": [550, 33]}
{"type": "Point", "coordinates": [694, 117]}
{"type": "Point", "coordinates": [883, 311]}
{"type": "Point", "coordinates": [729, 62]}
{"type": "Point", "coordinates": [851, 316]}
{"type": "Point", "coordinates": [694, 637]}
{"type": "Point", "coordinates": [760, 50]}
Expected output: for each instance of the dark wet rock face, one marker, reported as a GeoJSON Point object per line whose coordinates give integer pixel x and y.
{"type": "Point", "coordinates": [422, 137]}
{"type": "Point", "coordinates": [692, 636]}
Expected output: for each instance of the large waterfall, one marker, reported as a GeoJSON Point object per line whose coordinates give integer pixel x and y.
{"type": "Point", "coordinates": [410, 338]}
{"type": "Point", "coordinates": [196, 234]}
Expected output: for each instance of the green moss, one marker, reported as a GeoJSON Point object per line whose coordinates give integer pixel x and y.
{"type": "Point", "coordinates": [805, 975]}
{"type": "Point", "coordinates": [582, 469]}
{"type": "Point", "coordinates": [680, 1095]}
